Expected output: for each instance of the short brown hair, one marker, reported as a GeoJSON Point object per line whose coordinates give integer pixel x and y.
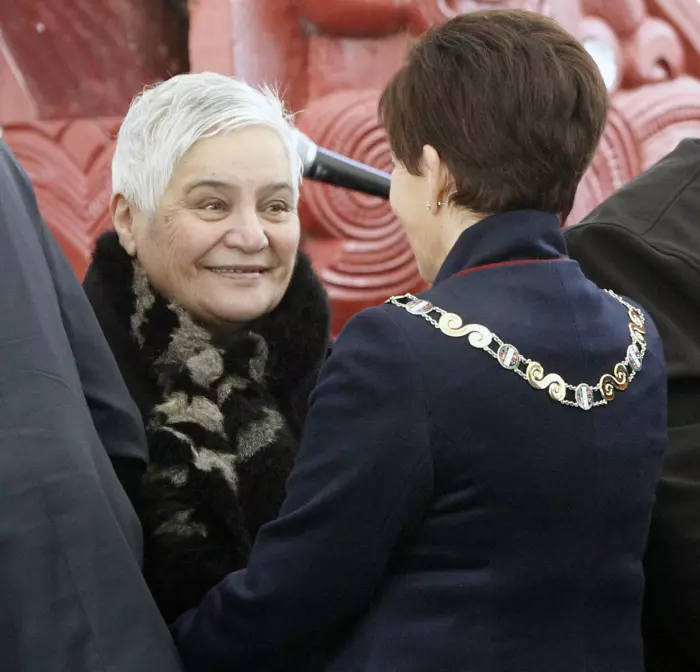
{"type": "Point", "coordinates": [513, 104]}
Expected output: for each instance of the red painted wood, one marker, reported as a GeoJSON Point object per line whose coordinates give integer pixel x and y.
{"type": "Point", "coordinates": [356, 18]}
{"type": "Point", "coordinates": [68, 163]}
{"type": "Point", "coordinates": [86, 58]}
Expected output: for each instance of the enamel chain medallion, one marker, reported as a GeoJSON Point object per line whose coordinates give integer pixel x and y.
{"type": "Point", "coordinates": [584, 395]}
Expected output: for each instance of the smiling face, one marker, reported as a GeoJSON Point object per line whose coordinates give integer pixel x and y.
{"type": "Point", "coordinates": [225, 236]}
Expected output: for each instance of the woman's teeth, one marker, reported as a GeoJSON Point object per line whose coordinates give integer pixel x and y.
{"type": "Point", "coordinates": [232, 269]}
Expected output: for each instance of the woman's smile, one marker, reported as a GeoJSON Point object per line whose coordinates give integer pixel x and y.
{"type": "Point", "coordinates": [240, 272]}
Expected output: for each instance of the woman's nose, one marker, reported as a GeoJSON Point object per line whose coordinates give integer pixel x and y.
{"type": "Point", "coordinates": [247, 233]}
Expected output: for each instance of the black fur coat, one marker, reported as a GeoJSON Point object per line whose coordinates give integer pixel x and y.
{"type": "Point", "coordinates": [223, 425]}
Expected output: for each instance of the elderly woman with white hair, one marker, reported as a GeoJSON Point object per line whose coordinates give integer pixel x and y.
{"type": "Point", "coordinates": [216, 319]}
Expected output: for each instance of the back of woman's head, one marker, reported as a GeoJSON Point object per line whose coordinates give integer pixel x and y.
{"type": "Point", "coordinates": [513, 104]}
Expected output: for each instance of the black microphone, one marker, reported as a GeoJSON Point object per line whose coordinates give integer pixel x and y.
{"type": "Point", "coordinates": [323, 165]}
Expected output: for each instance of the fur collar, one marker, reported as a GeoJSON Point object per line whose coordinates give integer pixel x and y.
{"type": "Point", "coordinates": [295, 334]}
{"type": "Point", "coordinates": [222, 423]}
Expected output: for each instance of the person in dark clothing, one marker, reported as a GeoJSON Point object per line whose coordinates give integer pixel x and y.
{"type": "Point", "coordinates": [644, 241]}
{"type": "Point", "coordinates": [216, 318]}
{"type": "Point", "coordinates": [476, 475]}
{"type": "Point", "coordinates": [72, 597]}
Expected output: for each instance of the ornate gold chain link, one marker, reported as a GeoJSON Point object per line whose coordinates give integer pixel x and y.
{"type": "Point", "coordinates": [507, 355]}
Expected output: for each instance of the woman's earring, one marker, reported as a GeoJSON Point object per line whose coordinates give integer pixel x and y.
{"type": "Point", "coordinates": [440, 203]}
{"type": "Point", "coordinates": [428, 207]}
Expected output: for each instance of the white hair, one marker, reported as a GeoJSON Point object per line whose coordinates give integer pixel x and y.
{"type": "Point", "coordinates": [168, 118]}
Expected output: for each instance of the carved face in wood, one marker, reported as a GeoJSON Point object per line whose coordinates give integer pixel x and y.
{"type": "Point", "coordinates": [224, 240]}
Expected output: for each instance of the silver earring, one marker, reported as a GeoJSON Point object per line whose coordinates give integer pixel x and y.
{"type": "Point", "coordinates": [428, 206]}
{"type": "Point", "coordinates": [440, 203]}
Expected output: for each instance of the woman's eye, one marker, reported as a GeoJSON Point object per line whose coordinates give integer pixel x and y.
{"type": "Point", "coordinates": [212, 206]}
{"type": "Point", "coordinates": [277, 207]}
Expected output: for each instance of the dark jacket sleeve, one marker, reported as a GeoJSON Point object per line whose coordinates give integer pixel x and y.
{"type": "Point", "coordinates": [362, 479]}
{"type": "Point", "coordinates": [653, 274]}
{"type": "Point", "coordinates": [72, 596]}
{"type": "Point", "coordinates": [665, 283]}
{"type": "Point", "coordinates": [672, 562]}
{"type": "Point", "coordinates": [115, 415]}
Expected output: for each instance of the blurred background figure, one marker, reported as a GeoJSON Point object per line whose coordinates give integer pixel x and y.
{"type": "Point", "coordinates": [71, 592]}
{"type": "Point", "coordinates": [217, 321]}
{"type": "Point", "coordinates": [644, 241]}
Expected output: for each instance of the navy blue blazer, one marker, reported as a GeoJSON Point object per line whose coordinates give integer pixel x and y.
{"type": "Point", "coordinates": [445, 515]}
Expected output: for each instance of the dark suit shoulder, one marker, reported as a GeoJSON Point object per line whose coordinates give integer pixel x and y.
{"type": "Point", "coordinates": [666, 193]}
{"type": "Point", "coordinates": [379, 329]}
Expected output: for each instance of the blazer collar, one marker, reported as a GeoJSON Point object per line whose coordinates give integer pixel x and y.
{"type": "Point", "coordinates": [509, 237]}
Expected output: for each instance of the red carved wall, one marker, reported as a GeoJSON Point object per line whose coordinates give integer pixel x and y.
{"type": "Point", "coordinates": [64, 84]}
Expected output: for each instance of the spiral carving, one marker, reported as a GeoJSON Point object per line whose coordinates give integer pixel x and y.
{"type": "Point", "coordinates": [356, 244]}
{"type": "Point", "coordinates": [624, 16]}
{"type": "Point", "coordinates": [347, 123]}
{"type": "Point", "coordinates": [362, 253]}
{"type": "Point", "coordinates": [662, 115]}
{"type": "Point", "coordinates": [478, 336]}
{"type": "Point", "coordinates": [653, 54]}
{"type": "Point", "coordinates": [552, 382]}
{"type": "Point", "coordinates": [684, 16]}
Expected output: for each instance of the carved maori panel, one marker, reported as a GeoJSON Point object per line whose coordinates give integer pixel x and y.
{"type": "Point", "coordinates": [331, 58]}
{"type": "Point", "coordinates": [644, 49]}
{"type": "Point", "coordinates": [352, 47]}
{"type": "Point", "coordinates": [85, 58]}
{"type": "Point", "coordinates": [15, 99]}
{"type": "Point", "coordinates": [358, 245]}
{"type": "Point", "coordinates": [68, 163]}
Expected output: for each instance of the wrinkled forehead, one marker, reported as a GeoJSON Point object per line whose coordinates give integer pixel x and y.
{"type": "Point", "coordinates": [248, 159]}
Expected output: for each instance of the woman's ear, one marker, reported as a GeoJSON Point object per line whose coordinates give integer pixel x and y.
{"type": "Point", "coordinates": [123, 222]}
{"type": "Point", "coordinates": [437, 175]}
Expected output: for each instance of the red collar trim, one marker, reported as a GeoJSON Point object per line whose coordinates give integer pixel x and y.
{"type": "Point", "coordinates": [515, 262]}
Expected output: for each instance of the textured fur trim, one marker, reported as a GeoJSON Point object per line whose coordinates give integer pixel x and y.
{"type": "Point", "coordinates": [224, 433]}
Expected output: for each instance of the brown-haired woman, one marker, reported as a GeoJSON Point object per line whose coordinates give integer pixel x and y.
{"type": "Point", "coordinates": [478, 467]}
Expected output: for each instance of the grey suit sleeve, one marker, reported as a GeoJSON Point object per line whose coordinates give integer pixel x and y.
{"type": "Point", "coordinates": [72, 596]}
{"type": "Point", "coordinates": [115, 415]}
